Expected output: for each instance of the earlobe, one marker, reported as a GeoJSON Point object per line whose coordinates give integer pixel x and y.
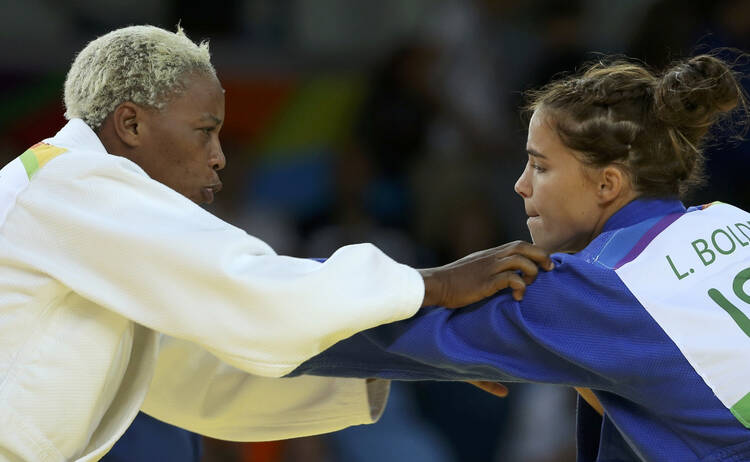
{"type": "Point", "coordinates": [126, 119]}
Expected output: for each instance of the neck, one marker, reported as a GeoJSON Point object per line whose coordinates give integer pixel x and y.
{"type": "Point", "coordinates": [611, 208]}
{"type": "Point", "coordinates": [608, 209]}
{"type": "Point", "coordinates": [108, 137]}
{"type": "Point", "coordinates": [113, 143]}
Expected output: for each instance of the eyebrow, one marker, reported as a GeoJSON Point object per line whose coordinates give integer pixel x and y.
{"type": "Point", "coordinates": [531, 152]}
{"type": "Point", "coordinates": [213, 118]}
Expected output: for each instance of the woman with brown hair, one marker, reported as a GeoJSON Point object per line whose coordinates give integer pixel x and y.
{"type": "Point", "coordinates": [646, 311]}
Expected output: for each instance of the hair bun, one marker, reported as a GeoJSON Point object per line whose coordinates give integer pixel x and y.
{"type": "Point", "coordinates": [692, 94]}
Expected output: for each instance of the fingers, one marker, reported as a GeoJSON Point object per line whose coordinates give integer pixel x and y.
{"type": "Point", "coordinates": [483, 273]}
{"type": "Point", "coordinates": [517, 286]}
{"type": "Point", "coordinates": [518, 263]}
{"type": "Point", "coordinates": [532, 252]}
{"type": "Point", "coordinates": [494, 388]}
{"type": "Point", "coordinates": [509, 279]}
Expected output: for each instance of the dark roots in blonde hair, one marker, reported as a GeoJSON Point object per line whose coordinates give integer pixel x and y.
{"type": "Point", "coordinates": [654, 126]}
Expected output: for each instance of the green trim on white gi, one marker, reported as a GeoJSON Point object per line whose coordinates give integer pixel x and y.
{"type": "Point", "coordinates": [30, 162]}
{"type": "Point", "coordinates": [15, 176]}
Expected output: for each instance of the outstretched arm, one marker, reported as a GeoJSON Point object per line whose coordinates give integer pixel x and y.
{"type": "Point", "coordinates": [195, 390]}
{"type": "Point", "coordinates": [103, 228]}
{"type": "Point", "coordinates": [559, 333]}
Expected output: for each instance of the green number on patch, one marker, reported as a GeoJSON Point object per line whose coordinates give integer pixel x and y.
{"type": "Point", "coordinates": [738, 286]}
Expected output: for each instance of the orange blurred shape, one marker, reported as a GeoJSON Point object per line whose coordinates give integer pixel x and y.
{"type": "Point", "coordinates": [269, 451]}
{"type": "Point", "coordinates": [252, 105]}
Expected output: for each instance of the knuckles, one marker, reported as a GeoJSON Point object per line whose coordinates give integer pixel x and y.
{"type": "Point", "coordinates": [518, 245]}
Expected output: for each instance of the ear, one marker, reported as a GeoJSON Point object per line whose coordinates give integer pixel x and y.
{"type": "Point", "coordinates": [125, 120]}
{"type": "Point", "coordinates": [613, 182]}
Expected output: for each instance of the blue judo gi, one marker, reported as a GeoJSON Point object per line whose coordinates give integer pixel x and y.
{"type": "Point", "coordinates": [578, 325]}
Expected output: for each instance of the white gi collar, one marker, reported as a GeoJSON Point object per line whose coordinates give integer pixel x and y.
{"type": "Point", "coordinates": [77, 135]}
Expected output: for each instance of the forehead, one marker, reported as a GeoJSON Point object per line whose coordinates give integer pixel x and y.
{"type": "Point", "coordinates": [541, 126]}
{"type": "Point", "coordinates": [543, 136]}
{"type": "Point", "coordinates": [203, 94]}
{"type": "Point", "coordinates": [544, 141]}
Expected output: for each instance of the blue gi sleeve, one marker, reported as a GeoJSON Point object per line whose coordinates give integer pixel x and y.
{"type": "Point", "coordinates": [577, 325]}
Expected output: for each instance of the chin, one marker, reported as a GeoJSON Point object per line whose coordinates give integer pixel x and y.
{"type": "Point", "coordinates": [540, 241]}
{"type": "Point", "coordinates": [563, 248]}
{"type": "Point", "coordinates": [545, 244]}
{"type": "Point", "coordinates": [551, 248]}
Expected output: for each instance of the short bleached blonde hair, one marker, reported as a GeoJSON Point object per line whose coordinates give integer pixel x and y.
{"type": "Point", "coordinates": [145, 65]}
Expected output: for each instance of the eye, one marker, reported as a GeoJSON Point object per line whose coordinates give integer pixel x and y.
{"type": "Point", "coordinates": [207, 130]}
{"type": "Point", "coordinates": [537, 167]}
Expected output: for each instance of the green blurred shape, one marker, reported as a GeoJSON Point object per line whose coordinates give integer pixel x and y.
{"type": "Point", "coordinates": [320, 113]}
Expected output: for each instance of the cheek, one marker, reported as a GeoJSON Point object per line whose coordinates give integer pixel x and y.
{"type": "Point", "coordinates": [563, 208]}
{"type": "Point", "coordinates": [176, 167]}
{"type": "Point", "coordinates": [549, 199]}
{"type": "Point", "coordinates": [574, 207]}
{"type": "Point", "coordinates": [181, 154]}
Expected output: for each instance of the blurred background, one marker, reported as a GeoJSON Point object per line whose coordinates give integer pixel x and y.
{"type": "Point", "coordinates": [394, 122]}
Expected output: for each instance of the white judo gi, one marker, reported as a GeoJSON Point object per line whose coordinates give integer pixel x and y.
{"type": "Point", "coordinates": [119, 294]}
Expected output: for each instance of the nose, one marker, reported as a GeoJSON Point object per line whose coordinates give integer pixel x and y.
{"type": "Point", "coordinates": [522, 186]}
{"type": "Point", "coordinates": [217, 159]}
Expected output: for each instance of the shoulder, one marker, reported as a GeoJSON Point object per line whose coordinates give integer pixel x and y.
{"type": "Point", "coordinates": [73, 163]}
{"type": "Point", "coordinates": [612, 249]}
{"type": "Point", "coordinates": [86, 179]}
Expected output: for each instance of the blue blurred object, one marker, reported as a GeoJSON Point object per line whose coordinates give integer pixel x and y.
{"type": "Point", "coordinates": [151, 440]}
{"type": "Point", "coordinates": [401, 435]}
{"type": "Point", "coordinates": [300, 185]}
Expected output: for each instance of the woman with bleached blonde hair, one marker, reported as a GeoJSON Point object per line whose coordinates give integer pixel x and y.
{"type": "Point", "coordinates": [118, 292]}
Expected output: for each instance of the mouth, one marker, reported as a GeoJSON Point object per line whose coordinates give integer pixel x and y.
{"type": "Point", "coordinates": [532, 217]}
{"type": "Point", "coordinates": [209, 191]}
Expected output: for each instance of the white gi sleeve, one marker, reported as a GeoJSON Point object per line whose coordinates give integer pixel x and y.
{"type": "Point", "coordinates": [196, 391]}
{"type": "Point", "coordinates": [101, 226]}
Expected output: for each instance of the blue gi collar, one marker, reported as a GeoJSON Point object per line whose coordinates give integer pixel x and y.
{"type": "Point", "coordinates": [642, 209]}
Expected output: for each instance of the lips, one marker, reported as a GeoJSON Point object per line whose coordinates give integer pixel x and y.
{"type": "Point", "coordinates": [532, 218]}
{"type": "Point", "coordinates": [209, 191]}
